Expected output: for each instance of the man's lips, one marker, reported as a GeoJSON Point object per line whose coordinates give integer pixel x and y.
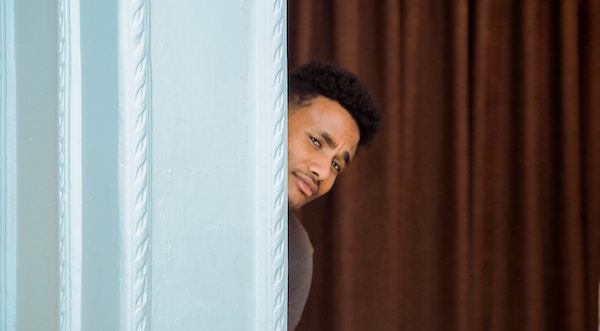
{"type": "Point", "coordinates": [306, 184]}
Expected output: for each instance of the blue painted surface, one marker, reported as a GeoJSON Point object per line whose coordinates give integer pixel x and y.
{"type": "Point", "coordinates": [211, 172]}
{"type": "Point", "coordinates": [203, 177]}
{"type": "Point", "coordinates": [36, 68]}
{"type": "Point", "coordinates": [100, 228]}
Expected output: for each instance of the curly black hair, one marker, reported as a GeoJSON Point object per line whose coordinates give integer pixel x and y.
{"type": "Point", "coordinates": [329, 80]}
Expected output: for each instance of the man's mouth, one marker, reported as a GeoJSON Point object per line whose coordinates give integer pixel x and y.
{"type": "Point", "coordinates": [306, 185]}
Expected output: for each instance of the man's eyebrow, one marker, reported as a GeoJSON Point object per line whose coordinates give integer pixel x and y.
{"type": "Point", "coordinates": [329, 141]}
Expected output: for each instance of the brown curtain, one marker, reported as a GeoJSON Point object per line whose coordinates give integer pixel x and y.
{"type": "Point", "coordinates": [477, 207]}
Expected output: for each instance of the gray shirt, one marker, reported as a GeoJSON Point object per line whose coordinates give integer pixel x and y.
{"type": "Point", "coordinates": [300, 264]}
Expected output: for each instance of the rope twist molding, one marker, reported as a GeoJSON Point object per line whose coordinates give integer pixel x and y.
{"type": "Point", "coordinates": [138, 130]}
{"type": "Point", "coordinates": [279, 207]}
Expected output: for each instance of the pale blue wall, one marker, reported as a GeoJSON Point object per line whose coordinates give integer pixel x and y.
{"type": "Point", "coordinates": [37, 209]}
{"type": "Point", "coordinates": [203, 177]}
{"type": "Point", "coordinates": [100, 228]}
{"type": "Point", "coordinates": [217, 259]}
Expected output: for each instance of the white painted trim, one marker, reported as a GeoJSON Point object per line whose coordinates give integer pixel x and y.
{"type": "Point", "coordinates": [69, 166]}
{"type": "Point", "coordinates": [8, 169]}
{"type": "Point", "coordinates": [271, 100]}
{"type": "Point", "coordinates": [134, 162]}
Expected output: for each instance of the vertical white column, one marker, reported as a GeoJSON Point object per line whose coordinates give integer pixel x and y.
{"type": "Point", "coordinates": [69, 166]}
{"type": "Point", "coordinates": [8, 169]}
{"type": "Point", "coordinates": [270, 58]}
{"type": "Point", "coordinates": [134, 162]}
{"type": "Point", "coordinates": [219, 185]}
{"type": "Point", "coordinates": [219, 165]}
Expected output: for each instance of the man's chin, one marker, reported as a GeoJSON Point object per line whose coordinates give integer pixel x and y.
{"type": "Point", "coordinates": [294, 204]}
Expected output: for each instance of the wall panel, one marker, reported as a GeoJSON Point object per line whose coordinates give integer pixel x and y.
{"type": "Point", "coordinates": [143, 165]}
{"type": "Point", "coordinates": [8, 169]}
{"type": "Point", "coordinates": [219, 132]}
{"type": "Point", "coordinates": [36, 63]}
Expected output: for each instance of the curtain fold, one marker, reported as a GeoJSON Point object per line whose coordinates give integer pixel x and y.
{"type": "Point", "coordinates": [477, 207]}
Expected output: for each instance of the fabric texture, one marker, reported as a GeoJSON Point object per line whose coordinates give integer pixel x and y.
{"type": "Point", "coordinates": [300, 269]}
{"type": "Point", "coordinates": [477, 206]}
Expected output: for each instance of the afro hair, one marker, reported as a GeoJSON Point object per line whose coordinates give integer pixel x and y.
{"type": "Point", "coordinates": [331, 81]}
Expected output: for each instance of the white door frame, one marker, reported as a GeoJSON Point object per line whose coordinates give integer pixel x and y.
{"type": "Point", "coordinates": [256, 227]}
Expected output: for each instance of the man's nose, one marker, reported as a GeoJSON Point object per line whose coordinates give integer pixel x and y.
{"type": "Point", "coordinates": [321, 167]}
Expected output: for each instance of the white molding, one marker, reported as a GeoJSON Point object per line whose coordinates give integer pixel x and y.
{"type": "Point", "coordinates": [271, 97]}
{"type": "Point", "coordinates": [69, 166]}
{"type": "Point", "coordinates": [134, 162]}
{"type": "Point", "coordinates": [8, 169]}
{"type": "Point", "coordinates": [279, 147]}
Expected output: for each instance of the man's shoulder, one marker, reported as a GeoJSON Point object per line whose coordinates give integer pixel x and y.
{"type": "Point", "coordinates": [300, 247]}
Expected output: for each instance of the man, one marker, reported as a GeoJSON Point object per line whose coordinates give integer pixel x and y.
{"type": "Point", "coordinates": [330, 115]}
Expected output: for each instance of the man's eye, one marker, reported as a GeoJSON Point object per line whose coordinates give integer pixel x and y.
{"type": "Point", "coordinates": [315, 141]}
{"type": "Point", "coordinates": [336, 166]}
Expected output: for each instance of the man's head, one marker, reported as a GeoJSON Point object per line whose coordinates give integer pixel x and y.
{"type": "Point", "coordinates": [330, 114]}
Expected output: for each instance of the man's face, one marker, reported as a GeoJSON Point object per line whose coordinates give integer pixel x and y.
{"type": "Point", "coordinates": [322, 139]}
